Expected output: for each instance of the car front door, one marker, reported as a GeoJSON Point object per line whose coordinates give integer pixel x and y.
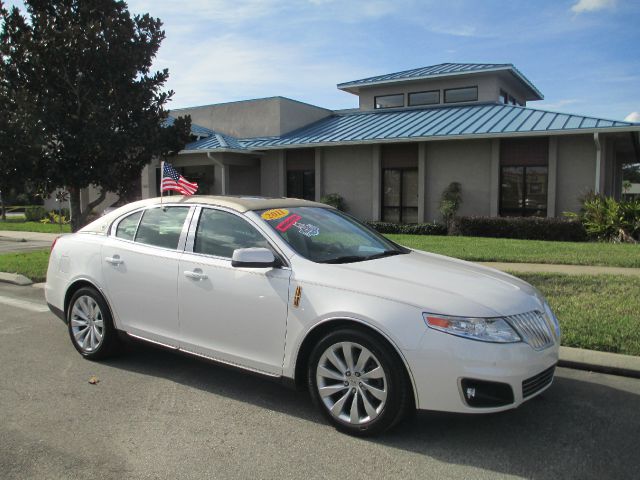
{"type": "Point", "coordinates": [234, 315]}
{"type": "Point", "coordinates": [140, 266]}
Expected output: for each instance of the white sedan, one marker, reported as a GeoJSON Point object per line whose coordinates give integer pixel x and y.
{"type": "Point", "coordinates": [301, 292]}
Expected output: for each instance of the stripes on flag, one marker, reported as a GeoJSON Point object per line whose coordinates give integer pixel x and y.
{"type": "Point", "coordinates": [172, 180]}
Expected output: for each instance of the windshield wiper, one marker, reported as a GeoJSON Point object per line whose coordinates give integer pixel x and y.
{"type": "Point", "coordinates": [358, 258]}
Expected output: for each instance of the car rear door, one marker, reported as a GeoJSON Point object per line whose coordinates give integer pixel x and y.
{"type": "Point", "coordinates": [235, 315]}
{"type": "Point", "coordinates": [140, 261]}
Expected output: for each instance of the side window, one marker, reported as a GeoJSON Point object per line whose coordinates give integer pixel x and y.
{"type": "Point", "coordinates": [162, 227]}
{"type": "Point", "coordinates": [127, 226]}
{"type": "Point", "coordinates": [220, 233]}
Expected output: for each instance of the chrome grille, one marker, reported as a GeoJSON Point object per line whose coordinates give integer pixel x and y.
{"type": "Point", "coordinates": [534, 329]}
{"type": "Point", "coordinates": [537, 382]}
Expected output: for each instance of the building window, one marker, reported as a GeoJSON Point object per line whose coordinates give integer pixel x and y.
{"type": "Point", "coordinates": [301, 184]}
{"type": "Point", "coordinates": [523, 191]}
{"type": "Point", "coordinates": [389, 101]}
{"type": "Point", "coordinates": [455, 95]}
{"type": "Point", "coordinates": [400, 195]}
{"type": "Point", "coordinates": [424, 98]}
{"type": "Point", "coordinates": [504, 97]}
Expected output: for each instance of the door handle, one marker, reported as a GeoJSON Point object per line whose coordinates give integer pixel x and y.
{"type": "Point", "coordinates": [115, 260]}
{"type": "Point", "coordinates": [196, 274]}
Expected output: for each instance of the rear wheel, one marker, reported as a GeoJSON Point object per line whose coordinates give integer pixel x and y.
{"type": "Point", "coordinates": [90, 324]}
{"type": "Point", "coordinates": [358, 382]}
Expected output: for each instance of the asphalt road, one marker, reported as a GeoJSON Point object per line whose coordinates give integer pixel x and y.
{"type": "Point", "coordinates": [156, 414]}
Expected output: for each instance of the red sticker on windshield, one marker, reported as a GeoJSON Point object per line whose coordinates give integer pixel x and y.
{"type": "Point", "coordinates": [288, 222]}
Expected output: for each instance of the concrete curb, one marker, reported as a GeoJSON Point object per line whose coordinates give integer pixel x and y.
{"type": "Point", "coordinates": [12, 239]}
{"type": "Point", "coordinates": [15, 279]}
{"type": "Point", "coordinates": [603, 362]}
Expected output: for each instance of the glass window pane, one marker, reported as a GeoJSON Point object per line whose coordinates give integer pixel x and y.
{"type": "Point", "coordinates": [220, 233]}
{"type": "Point", "coordinates": [391, 188]}
{"type": "Point", "coordinates": [504, 98]}
{"type": "Point", "coordinates": [511, 189]}
{"type": "Point", "coordinates": [391, 214]}
{"type": "Point", "coordinates": [424, 98]}
{"type": "Point", "coordinates": [128, 225]}
{"type": "Point", "coordinates": [454, 95]}
{"type": "Point", "coordinates": [410, 188]}
{"type": "Point", "coordinates": [389, 101]}
{"type": "Point", "coordinates": [536, 190]}
{"type": "Point", "coordinates": [162, 226]}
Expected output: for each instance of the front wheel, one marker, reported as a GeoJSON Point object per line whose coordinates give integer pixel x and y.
{"type": "Point", "coordinates": [90, 324]}
{"type": "Point", "coordinates": [358, 382]}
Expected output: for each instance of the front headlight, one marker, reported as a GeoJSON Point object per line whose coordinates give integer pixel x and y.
{"type": "Point", "coordinates": [483, 329]}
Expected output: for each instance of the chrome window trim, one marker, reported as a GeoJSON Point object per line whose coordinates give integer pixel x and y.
{"type": "Point", "coordinates": [191, 237]}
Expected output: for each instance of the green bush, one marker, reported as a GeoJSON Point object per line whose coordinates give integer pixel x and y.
{"type": "Point", "coordinates": [606, 219]}
{"type": "Point", "coordinates": [410, 229]}
{"type": "Point", "coordinates": [450, 202]}
{"type": "Point", "coordinates": [34, 213]}
{"type": "Point", "coordinates": [334, 200]}
{"type": "Point", "coordinates": [525, 228]}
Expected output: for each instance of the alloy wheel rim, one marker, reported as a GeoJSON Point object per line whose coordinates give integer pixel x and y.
{"type": "Point", "coordinates": [352, 383]}
{"type": "Point", "coordinates": [87, 324]}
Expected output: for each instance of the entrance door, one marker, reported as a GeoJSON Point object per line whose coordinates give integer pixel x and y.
{"type": "Point", "coordinates": [236, 315]}
{"type": "Point", "coordinates": [400, 195]}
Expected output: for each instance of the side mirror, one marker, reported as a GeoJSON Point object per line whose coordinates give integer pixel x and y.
{"type": "Point", "coordinates": [253, 258]}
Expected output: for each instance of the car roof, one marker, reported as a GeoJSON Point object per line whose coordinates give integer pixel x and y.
{"type": "Point", "coordinates": [238, 203]}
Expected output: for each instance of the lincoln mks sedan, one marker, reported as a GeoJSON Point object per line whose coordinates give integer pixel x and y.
{"type": "Point", "coordinates": [308, 295]}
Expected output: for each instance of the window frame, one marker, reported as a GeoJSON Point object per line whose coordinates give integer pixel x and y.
{"type": "Point", "coordinates": [409, 104]}
{"type": "Point", "coordinates": [401, 206]}
{"type": "Point", "coordinates": [113, 229]}
{"type": "Point", "coordinates": [444, 99]}
{"type": "Point", "coordinates": [375, 100]}
{"type": "Point", "coordinates": [195, 221]}
{"type": "Point", "coordinates": [523, 210]}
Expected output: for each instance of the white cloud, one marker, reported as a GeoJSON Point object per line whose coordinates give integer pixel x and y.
{"type": "Point", "coordinates": [633, 117]}
{"type": "Point", "coordinates": [592, 5]}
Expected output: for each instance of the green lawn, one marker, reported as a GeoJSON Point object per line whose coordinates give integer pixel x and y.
{"type": "Point", "coordinates": [29, 264]}
{"type": "Point", "coordinates": [479, 249]}
{"type": "Point", "coordinates": [19, 225]}
{"type": "Point", "coordinates": [596, 312]}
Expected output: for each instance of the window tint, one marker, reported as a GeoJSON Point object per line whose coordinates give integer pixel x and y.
{"type": "Point", "coordinates": [127, 226]}
{"type": "Point", "coordinates": [454, 95]}
{"type": "Point", "coordinates": [389, 101]}
{"type": "Point", "coordinates": [424, 98]}
{"type": "Point", "coordinates": [220, 233]}
{"type": "Point", "coordinates": [162, 226]}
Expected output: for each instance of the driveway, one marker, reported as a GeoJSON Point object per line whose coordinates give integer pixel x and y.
{"type": "Point", "coordinates": [156, 414]}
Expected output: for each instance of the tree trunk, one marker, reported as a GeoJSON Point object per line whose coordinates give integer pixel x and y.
{"type": "Point", "coordinates": [76, 214]}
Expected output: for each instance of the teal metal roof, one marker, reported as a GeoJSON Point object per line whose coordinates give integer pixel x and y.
{"type": "Point", "coordinates": [217, 141]}
{"type": "Point", "coordinates": [421, 123]}
{"type": "Point", "coordinates": [196, 130]}
{"type": "Point", "coordinates": [442, 69]}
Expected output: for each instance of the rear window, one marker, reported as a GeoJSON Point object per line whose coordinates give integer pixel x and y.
{"type": "Point", "coordinates": [162, 227]}
{"type": "Point", "coordinates": [128, 225]}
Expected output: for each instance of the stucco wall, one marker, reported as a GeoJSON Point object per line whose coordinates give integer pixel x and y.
{"type": "Point", "coordinates": [244, 180]}
{"type": "Point", "coordinates": [348, 172]}
{"type": "Point", "coordinates": [269, 173]}
{"type": "Point", "coordinates": [576, 171]}
{"type": "Point", "coordinates": [465, 161]}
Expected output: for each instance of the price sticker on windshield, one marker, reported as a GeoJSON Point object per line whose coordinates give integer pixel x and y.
{"type": "Point", "coordinates": [275, 214]}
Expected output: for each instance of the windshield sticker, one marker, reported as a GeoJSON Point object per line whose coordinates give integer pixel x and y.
{"type": "Point", "coordinates": [288, 222]}
{"type": "Point", "coordinates": [307, 229]}
{"type": "Point", "coordinates": [275, 214]}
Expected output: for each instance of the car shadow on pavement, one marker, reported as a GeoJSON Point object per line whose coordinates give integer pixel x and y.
{"type": "Point", "coordinates": [576, 429]}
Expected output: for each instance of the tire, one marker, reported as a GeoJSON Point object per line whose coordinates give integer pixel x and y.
{"type": "Point", "coordinates": [379, 384]}
{"type": "Point", "coordinates": [90, 325]}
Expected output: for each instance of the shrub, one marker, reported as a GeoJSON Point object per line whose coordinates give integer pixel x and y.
{"type": "Point", "coordinates": [526, 228]}
{"type": "Point", "coordinates": [410, 229]}
{"type": "Point", "coordinates": [606, 219]}
{"type": "Point", "coordinates": [334, 200]}
{"type": "Point", "coordinates": [450, 202]}
{"type": "Point", "coordinates": [34, 213]}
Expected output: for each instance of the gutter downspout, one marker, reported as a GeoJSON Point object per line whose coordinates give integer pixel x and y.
{"type": "Point", "coordinates": [596, 139]}
{"type": "Point", "coordinates": [223, 167]}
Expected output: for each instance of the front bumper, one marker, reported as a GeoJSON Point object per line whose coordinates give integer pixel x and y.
{"type": "Point", "coordinates": [443, 361]}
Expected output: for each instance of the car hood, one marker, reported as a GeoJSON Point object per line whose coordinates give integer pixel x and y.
{"type": "Point", "coordinates": [439, 284]}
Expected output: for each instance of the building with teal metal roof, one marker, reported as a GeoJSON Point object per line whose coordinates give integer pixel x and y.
{"type": "Point", "coordinates": [413, 133]}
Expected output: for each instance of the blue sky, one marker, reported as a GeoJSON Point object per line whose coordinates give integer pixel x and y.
{"type": "Point", "coordinates": [584, 55]}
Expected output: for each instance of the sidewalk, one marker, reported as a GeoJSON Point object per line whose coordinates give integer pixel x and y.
{"type": "Point", "coordinates": [27, 236]}
{"type": "Point", "coordinates": [566, 269]}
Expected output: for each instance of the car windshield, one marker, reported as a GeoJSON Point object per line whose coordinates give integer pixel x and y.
{"type": "Point", "coordinates": [325, 235]}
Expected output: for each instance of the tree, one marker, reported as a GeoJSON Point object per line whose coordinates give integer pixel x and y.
{"type": "Point", "coordinates": [100, 108]}
{"type": "Point", "coordinates": [631, 172]}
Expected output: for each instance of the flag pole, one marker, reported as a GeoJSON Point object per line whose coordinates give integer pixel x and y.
{"type": "Point", "coordinates": [161, 178]}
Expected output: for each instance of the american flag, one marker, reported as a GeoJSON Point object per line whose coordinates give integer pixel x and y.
{"type": "Point", "coordinates": [172, 180]}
